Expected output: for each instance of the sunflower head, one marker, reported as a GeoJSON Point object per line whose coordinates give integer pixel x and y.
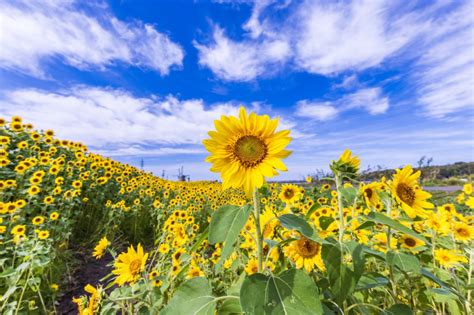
{"type": "Point", "coordinates": [407, 192]}
{"type": "Point", "coordinates": [246, 150]}
{"type": "Point", "coordinates": [347, 164]}
{"type": "Point", "coordinates": [129, 265]}
{"type": "Point", "coordinates": [290, 193]}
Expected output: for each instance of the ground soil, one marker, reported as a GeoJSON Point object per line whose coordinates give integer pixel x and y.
{"type": "Point", "coordinates": [88, 271]}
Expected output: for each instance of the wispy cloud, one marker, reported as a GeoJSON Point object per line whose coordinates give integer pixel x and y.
{"type": "Point", "coordinates": [241, 61]}
{"type": "Point", "coordinates": [33, 33]}
{"type": "Point", "coordinates": [370, 99]}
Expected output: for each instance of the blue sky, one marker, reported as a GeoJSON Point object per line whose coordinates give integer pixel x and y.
{"type": "Point", "coordinates": [392, 81]}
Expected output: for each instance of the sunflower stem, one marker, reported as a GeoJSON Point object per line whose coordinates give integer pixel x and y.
{"type": "Point", "coordinates": [340, 206]}
{"type": "Point", "coordinates": [256, 211]}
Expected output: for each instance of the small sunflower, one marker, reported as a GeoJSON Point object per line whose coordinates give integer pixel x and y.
{"type": "Point", "coordinates": [410, 242]}
{"type": "Point", "coordinates": [129, 265]}
{"type": "Point", "coordinates": [252, 266]}
{"type": "Point", "coordinates": [19, 230]}
{"type": "Point", "coordinates": [408, 193]}
{"type": "Point", "coordinates": [42, 235]}
{"type": "Point", "coordinates": [463, 232]}
{"type": "Point", "coordinates": [246, 150]}
{"type": "Point", "coordinates": [449, 258]}
{"type": "Point", "coordinates": [99, 250]}
{"type": "Point", "coordinates": [369, 192]}
{"type": "Point", "coordinates": [305, 253]}
{"type": "Point", "coordinates": [290, 193]}
{"type": "Point", "coordinates": [38, 220]}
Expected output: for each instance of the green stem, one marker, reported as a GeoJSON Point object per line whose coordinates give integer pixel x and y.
{"type": "Point", "coordinates": [341, 208]}
{"type": "Point", "coordinates": [256, 211]}
{"type": "Point", "coordinates": [389, 248]}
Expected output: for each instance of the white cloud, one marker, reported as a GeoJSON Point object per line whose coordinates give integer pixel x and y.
{"type": "Point", "coordinates": [321, 111]}
{"type": "Point", "coordinates": [444, 75]}
{"type": "Point", "coordinates": [370, 99]}
{"type": "Point", "coordinates": [32, 33]}
{"type": "Point", "coordinates": [241, 61]}
{"type": "Point", "coordinates": [332, 38]}
{"type": "Point", "coordinates": [103, 117]}
{"type": "Point", "coordinates": [115, 121]}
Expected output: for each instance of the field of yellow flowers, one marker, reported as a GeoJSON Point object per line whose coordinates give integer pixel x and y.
{"type": "Point", "coordinates": [241, 247]}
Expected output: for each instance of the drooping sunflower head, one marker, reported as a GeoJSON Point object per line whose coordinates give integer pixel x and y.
{"type": "Point", "coordinates": [347, 164]}
{"type": "Point", "coordinates": [407, 192]}
{"type": "Point", "coordinates": [247, 149]}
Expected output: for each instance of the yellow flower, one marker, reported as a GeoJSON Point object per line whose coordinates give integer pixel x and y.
{"type": "Point", "coordinates": [309, 179]}
{"type": "Point", "coordinates": [449, 258]}
{"type": "Point", "coordinates": [246, 150]}
{"type": "Point", "coordinates": [467, 189]}
{"type": "Point", "coordinates": [19, 230]}
{"type": "Point", "coordinates": [290, 193]}
{"type": "Point", "coordinates": [100, 248]}
{"type": "Point", "coordinates": [347, 164]}
{"type": "Point", "coordinates": [369, 192]}
{"type": "Point", "coordinates": [153, 274]}
{"type": "Point", "coordinates": [164, 248]}
{"type": "Point", "coordinates": [463, 232]}
{"type": "Point", "coordinates": [54, 287]}
{"type": "Point", "coordinates": [305, 253]}
{"type": "Point", "coordinates": [54, 216]}
{"type": "Point", "coordinates": [406, 191]}
{"type": "Point", "coordinates": [252, 266]}
{"type": "Point", "coordinates": [43, 235]}
{"type": "Point", "coordinates": [38, 220]}
{"type": "Point", "coordinates": [129, 265]}
{"type": "Point", "coordinates": [194, 271]}
{"type": "Point", "coordinates": [470, 202]}
{"type": "Point", "coordinates": [410, 242]}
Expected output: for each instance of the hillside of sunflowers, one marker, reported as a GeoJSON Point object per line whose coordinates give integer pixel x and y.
{"type": "Point", "coordinates": [240, 246]}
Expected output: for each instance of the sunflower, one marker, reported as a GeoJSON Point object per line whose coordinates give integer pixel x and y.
{"type": "Point", "coordinates": [128, 265]}
{"type": "Point", "coordinates": [54, 216]}
{"type": "Point", "coordinates": [463, 232]}
{"type": "Point", "coordinates": [369, 192]}
{"type": "Point", "coordinates": [38, 220]}
{"type": "Point", "coordinates": [449, 258]}
{"type": "Point", "coordinates": [246, 150]}
{"type": "Point", "coordinates": [194, 271]}
{"type": "Point", "coordinates": [19, 230]}
{"type": "Point", "coordinates": [410, 242]}
{"type": "Point", "coordinates": [305, 253]}
{"type": "Point", "coordinates": [406, 191]}
{"type": "Point", "coordinates": [290, 193]}
{"type": "Point", "coordinates": [99, 250]}
{"type": "Point", "coordinates": [43, 235]}
{"type": "Point", "coordinates": [347, 164]}
{"type": "Point", "coordinates": [164, 248]}
{"type": "Point", "coordinates": [252, 266]}
{"type": "Point", "coordinates": [467, 189]}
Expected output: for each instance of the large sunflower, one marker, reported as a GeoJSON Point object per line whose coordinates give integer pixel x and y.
{"type": "Point", "coordinates": [305, 253]}
{"type": "Point", "coordinates": [129, 265]}
{"type": "Point", "coordinates": [246, 150]}
{"type": "Point", "coordinates": [408, 193]}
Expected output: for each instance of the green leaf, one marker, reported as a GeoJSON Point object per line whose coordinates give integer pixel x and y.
{"type": "Point", "coordinates": [192, 297]}
{"type": "Point", "coordinates": [324, 222]}
{"type": "Point", "coordinates": [253, 293]}
{"type": "Point", "coordinates": [294, 222]}
{"type": "Point", "coordinates": [371, 280]}
{"type": "Point", "coordinates": [292, 292]}
{"type": "Point", "coordinates": [399, 309]}
{"type": "Point", "coordinates": [383, 219]}
{"type": "Point", "coordinates": [404, 262]}
{"type": "Point", "coordinates": [341, 278]}
{"type": "Point", "coordinates": [226, 224]}
{"type": "Point", "coordinates": [349, 194]}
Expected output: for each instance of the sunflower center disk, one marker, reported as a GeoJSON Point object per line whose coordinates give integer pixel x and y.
{"type": "Point", "coordinates": [307, 248]}
{"type": "Point", "coordinates": [250, 150]}
{"type": "Point", "coordinates": [406, 194]}
{"type": "Point", "coordinates": [134, 266]}
{"type": "Point", "coordinates": [410, 242]}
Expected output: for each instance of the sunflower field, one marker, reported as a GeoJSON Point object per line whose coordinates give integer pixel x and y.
{"type": "Point", "coordinates": [242, 246]}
